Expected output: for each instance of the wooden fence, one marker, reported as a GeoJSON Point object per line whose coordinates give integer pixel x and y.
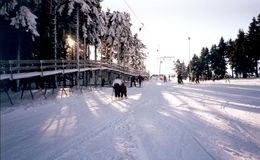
{"type": "Point", "coordinates": [19, 69]}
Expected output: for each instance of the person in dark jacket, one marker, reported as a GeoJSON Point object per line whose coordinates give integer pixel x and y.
{"type": "Point", "coordinates": [197, 80]}
{"type": "Point", "coordinates": [140, 79]}
{"type": "Point", "coordinates": [164, 79]}
{"type": "Point", "coordinates": [132, 81]}
{"type": "Point", "coordinates": [123, 90]}
{"type": "Point", "coordinates": [103, 82]}
{"type": "Point", "coordinates": [179, 78]}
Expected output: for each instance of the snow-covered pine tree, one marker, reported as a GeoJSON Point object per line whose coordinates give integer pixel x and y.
{"type": "Point", "coordinates": [137, 55]}
{"type": "Point", "coordinates": [118, 33]}
{"type": "Point", "coordinates": [180, 68]}
{"type": "Point", "coordinates": [21, 16]}
{"type": "Point", "coordinates": [89, 12]}
{"type": "Point", "coordinates": [108, 38]}
{"type": "Point", "coordinates": [253, 41]}
{"type": "Point", "coordinates": [84, 30]}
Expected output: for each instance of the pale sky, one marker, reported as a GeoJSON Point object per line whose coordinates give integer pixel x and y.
{"type": "Point", "coordinates": [169, 23]}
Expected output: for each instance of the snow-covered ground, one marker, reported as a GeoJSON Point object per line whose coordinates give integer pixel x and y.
{"type": "Point", "coordinates": [160, 121]}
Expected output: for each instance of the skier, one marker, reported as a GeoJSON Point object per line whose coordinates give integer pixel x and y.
{"type": "Point", "coordinates": [123, 90]}
{"type": "Point", "coordinates": [116, 86]}
{"type": "Point", "coordinates": [164, 79]}
{"type": "Point", "coordinates": [140, 78]}
{"type": "Point", "coordinates": [179, 77]}
{"type": "Point", "coordinates": [197, 80]}
{"type": "Point", "coordinates": [103, 82]}
{"type": "Point", "coordinates": [132, 81]}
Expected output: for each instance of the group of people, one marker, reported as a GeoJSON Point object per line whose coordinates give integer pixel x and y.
{"type": "Point", "coordinates": [197, 78]}
{"type": "Point", "coordinates": [134, 79]}
{"type": "Point", "coordinates": [179, 79]}
{"type": "Point", "coordinates": [120, 89]}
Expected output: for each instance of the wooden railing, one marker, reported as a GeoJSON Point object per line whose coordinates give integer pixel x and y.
{"type": "Point", "coordinates": [11, 67]}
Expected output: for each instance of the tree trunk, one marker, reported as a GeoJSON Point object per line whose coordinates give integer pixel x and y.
{"type": "Point", "coordinates": [88, 52]}
{"type": "Point", "coordinates": [18, 56]}
{"type": "Point", "coordinates": [55, 32]}
{"type": "Point", "coordinates": [106, 54]}
{"type": "Point", "coordinates": [77, 45]}
{"type": "Point", "coordinates": [256, 71]}
{"type": "Point", "coordinates": [232, 70]}
{"type": "Point", "coordinates": [118, 54]}
{"type": "Point", "coordinates": [18, 45]}
{"type": "Point", "coordinates": [84, 49]}
{"type": "Point", "coordinates": [55, 38]}
{"type": "Point", "coordinates": [95, 53]}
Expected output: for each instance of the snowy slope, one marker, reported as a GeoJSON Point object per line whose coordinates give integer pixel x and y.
{"type": "Point", "coordinates": [160, 121]}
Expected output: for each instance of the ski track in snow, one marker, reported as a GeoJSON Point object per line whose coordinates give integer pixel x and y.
{"type": "Point", "coordinates": [122, 123]}
{"type": "Point", "coordinates": [159, 121]}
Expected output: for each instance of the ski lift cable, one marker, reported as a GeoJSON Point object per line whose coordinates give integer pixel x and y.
{"type": "Point", "coordinates": [127, 4]}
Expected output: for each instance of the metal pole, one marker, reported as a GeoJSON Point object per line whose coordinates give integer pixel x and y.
{"type": "Point", "coordinates": [189, 55]}
{"type": "Point", "coordinates": [159, 62]}
{"type": "Point", "coordinates": [160, 66]}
